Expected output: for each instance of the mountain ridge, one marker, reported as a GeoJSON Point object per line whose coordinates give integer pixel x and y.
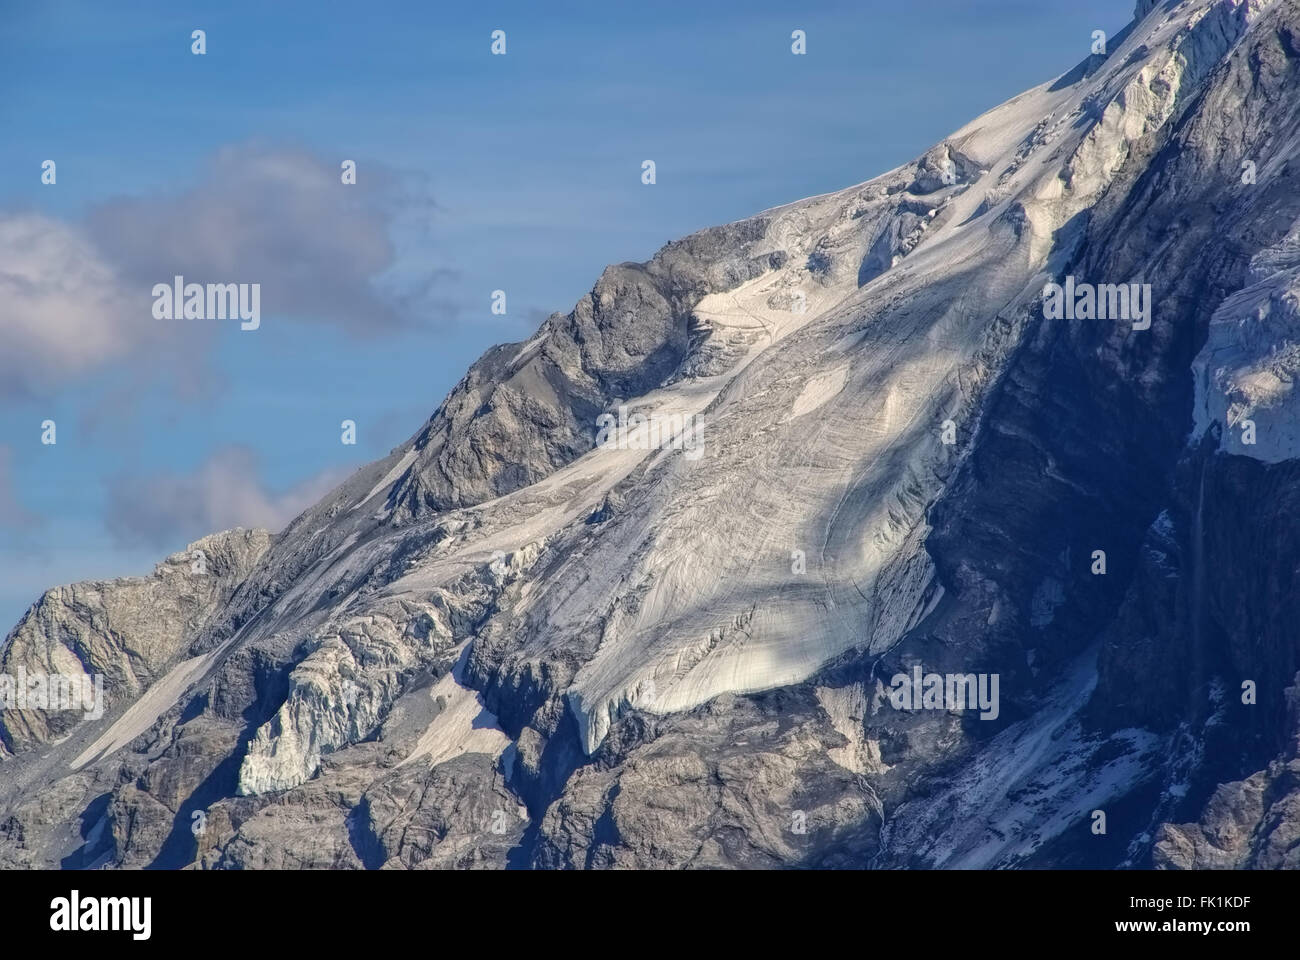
{"type": "Point", "coordinates": [613, 654]}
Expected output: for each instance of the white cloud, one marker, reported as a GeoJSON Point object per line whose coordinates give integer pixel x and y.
{"type": "Point", "coordinates": [279, 218]}
{"type": "Point", "coordinates": [63, 309]}
{"type": "Point", "coordinates": [78, 296]}
{"type": "Point", "coordinates": [225, 491]}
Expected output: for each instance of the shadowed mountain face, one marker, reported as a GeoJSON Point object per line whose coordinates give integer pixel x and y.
{"type": "Point", "coordinates": [641, 591]}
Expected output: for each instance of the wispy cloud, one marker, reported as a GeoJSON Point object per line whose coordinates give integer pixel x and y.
{"type": "Point", "coordinates": [63, 306]}
{"type": "Point", "coordinates": [281, 218]}
{"type": "Point", "coordinates": [224, 491]}
{"type": "Point", "coordinates": [78, 296]}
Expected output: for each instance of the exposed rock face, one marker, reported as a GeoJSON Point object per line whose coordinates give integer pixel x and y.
{"type": "Point", "coordinates": [507, 646]}
{"type": "Point", "coordinates": [1248, 824]}
{"type": "Point", "coordinates": [128, 631]}
{"type": "Point", "coordinates": [525, 409]}
{"type": "Point", "coordinates": [1246, 372]}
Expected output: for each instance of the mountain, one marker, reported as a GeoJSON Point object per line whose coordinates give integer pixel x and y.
{"type": "Point", "coordinates": [536, 636]}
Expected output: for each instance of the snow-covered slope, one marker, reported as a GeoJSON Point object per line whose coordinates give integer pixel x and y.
{"type": "Point", "coordinates": [1246, 372]}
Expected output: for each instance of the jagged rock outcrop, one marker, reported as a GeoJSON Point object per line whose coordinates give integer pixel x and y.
{"type": "Point", "coordinates": [1247, 824]}
{"type": "Point", "coordinates": [127, 631]}
{"type": "Point", "coordinates": [525, 409]}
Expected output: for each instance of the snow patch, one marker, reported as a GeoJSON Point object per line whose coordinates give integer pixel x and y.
{"type": "Point", "coordinates": [1246, 372]}
{"type": "Point", "coordinates": [1034, 781]}
{"type": "Point", "coordinates": [464, 725]}
{"type": "Point", "coordinates": [144, 713]}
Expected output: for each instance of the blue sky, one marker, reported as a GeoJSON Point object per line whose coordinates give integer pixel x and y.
{"type": "Point", "coordinates": [475, 173]}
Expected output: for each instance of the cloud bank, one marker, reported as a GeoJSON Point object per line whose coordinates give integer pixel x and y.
{"type": "Point", "coordinates": [78, 296]}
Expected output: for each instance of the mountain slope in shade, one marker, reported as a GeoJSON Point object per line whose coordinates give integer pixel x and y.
{"type": "Point", "coordinates": [504, 645]}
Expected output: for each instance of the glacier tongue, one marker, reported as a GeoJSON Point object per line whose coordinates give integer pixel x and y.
{"type": "Point", "coordinates": [828, 446]}
{"type": "Point", "coordinates": [834, 342]}
{"type": "Point", "coordinates": [1245, 374]}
